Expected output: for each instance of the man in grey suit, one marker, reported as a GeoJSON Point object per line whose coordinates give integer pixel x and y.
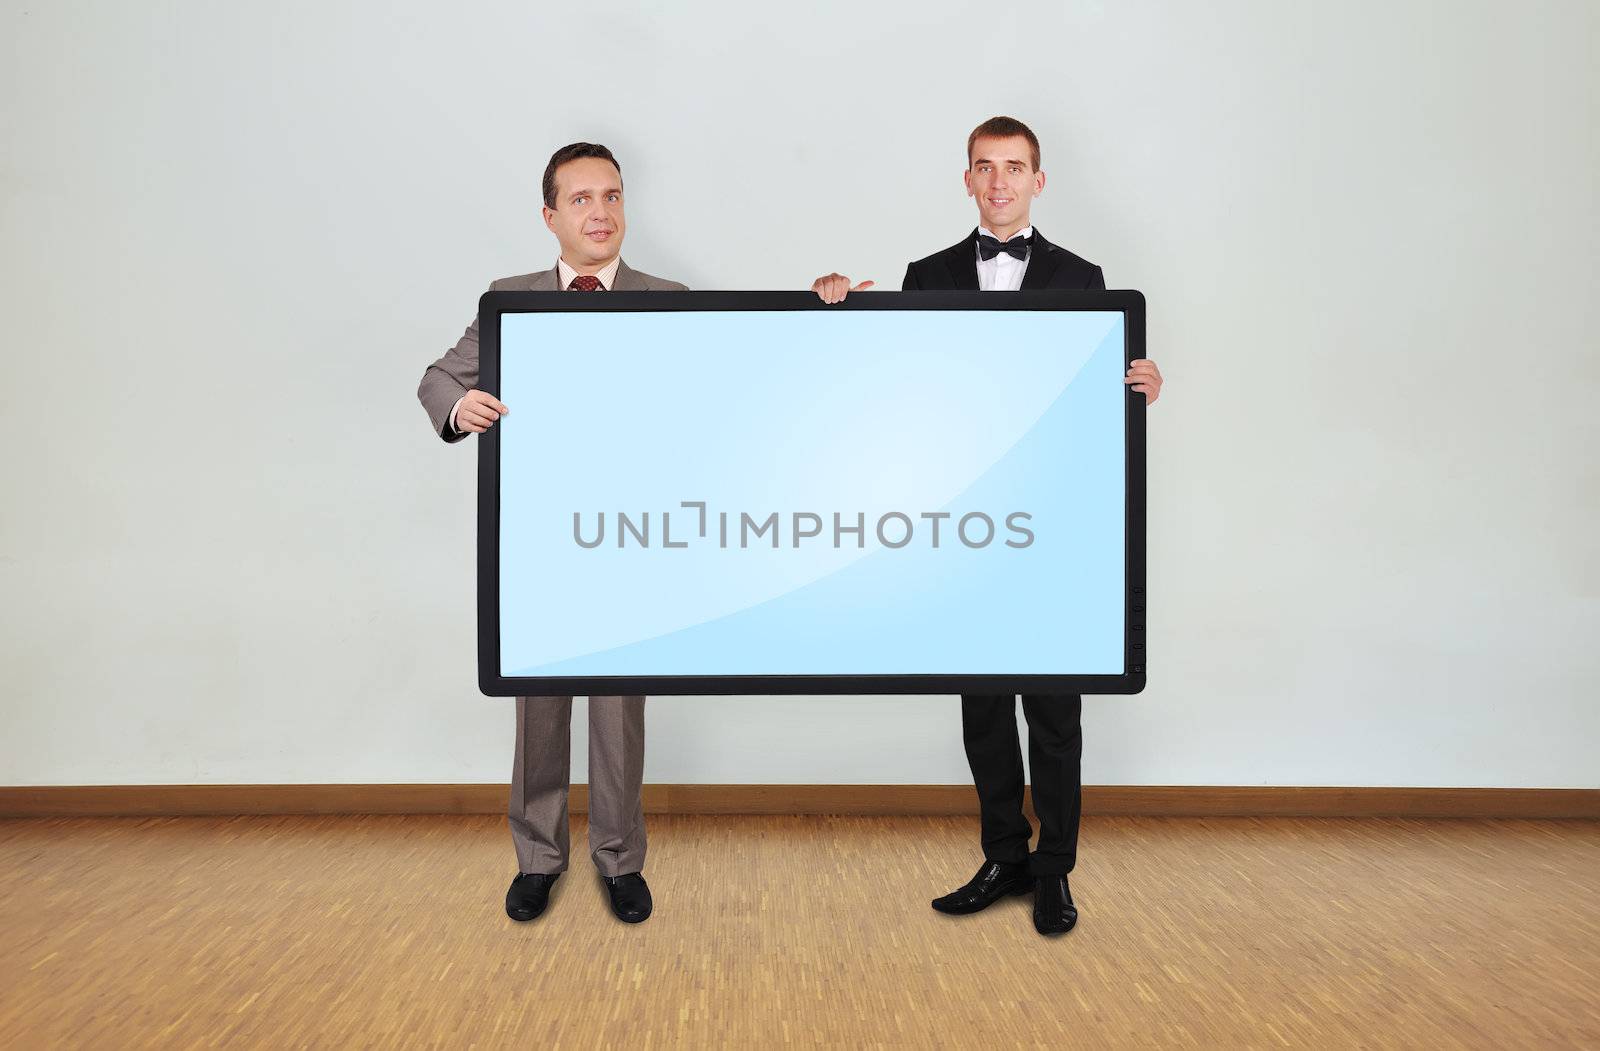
{"type": "Point", "coordinates": [583, 208]}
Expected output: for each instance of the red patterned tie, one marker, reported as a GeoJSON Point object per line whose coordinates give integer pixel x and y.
{"type": "Point", "coordinates": [585, 283]}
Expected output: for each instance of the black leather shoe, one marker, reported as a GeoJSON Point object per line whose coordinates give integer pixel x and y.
{"type": "Point", "coordinates": [529, 894]}
{"type": "Point", "coordinates": [993, 882]}
{"type": "Point", "coordinates": [1053, 911]}
{"type": "Point", "coordinates": [630, 897]}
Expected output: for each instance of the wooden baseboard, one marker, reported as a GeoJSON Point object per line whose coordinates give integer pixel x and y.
{"type": "Point", "coordinates": [1148, 800]}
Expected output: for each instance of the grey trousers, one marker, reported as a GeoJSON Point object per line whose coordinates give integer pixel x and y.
{"type": "Point", "coordinates": [542, 771]}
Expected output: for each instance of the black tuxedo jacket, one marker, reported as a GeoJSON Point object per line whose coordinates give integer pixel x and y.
{"type": "Point", "coordinates": [956, 268]}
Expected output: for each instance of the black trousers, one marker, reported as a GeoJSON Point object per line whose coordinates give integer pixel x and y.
{"type": "Point", "coordinates": [1055, 757]}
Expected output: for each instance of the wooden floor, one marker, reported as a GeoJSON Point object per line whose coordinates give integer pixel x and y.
{"type": "Point", "coordinates": [776, 931]}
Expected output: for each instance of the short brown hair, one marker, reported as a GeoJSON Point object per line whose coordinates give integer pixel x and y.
{"type": "Point", "coordinates": [1003, 128]}
{"type": "Point", "coordinates": [573, 152]}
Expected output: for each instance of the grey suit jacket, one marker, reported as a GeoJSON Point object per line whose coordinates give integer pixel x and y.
{"type": "Point", "coordinates": [447, 379]}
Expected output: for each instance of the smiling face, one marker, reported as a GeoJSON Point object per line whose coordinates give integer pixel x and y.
{"type": "Point", "coordinates": [587, 218]}
{"type": "Point", "coordinates": [1001, 177]}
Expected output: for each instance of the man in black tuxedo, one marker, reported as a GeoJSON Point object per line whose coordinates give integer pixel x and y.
{"type": "Point", "coordinates": [1006, 254]}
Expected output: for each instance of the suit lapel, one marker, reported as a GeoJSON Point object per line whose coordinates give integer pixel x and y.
{"type": "Point", "coordinates": [962, 262]}
{"type": "Point", "coordinates": [1042, 263]}
{"type": "Point", "coordinates": [544, 281]}
{"type": "Point", "coordinates": [628, 280]}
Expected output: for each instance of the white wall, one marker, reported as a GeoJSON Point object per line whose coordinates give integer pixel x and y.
{"type": "Point", "coordinates": [233, 236]}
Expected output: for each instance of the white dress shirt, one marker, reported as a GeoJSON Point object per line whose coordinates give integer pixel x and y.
{"type": "Point", "coordinates": [564, 276]}
{"type": "Point", "coordinates": [1004, 272]}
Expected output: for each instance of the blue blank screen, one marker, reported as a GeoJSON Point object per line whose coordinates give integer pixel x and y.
{"type": "Point", "coordinates": [669, 486]}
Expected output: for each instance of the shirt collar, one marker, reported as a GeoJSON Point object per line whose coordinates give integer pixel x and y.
{"type": "Point", "coordinates": [1026, 231]}
{"type": "Point", "coordinates": [608, 276]}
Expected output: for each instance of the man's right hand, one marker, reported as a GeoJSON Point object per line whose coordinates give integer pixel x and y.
{"type": "Point", "coordinates": [835, 287]}
{"type": "Point", "coordinates": [478, 412]}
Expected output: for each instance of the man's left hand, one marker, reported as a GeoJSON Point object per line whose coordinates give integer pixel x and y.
{"type": "Point", "coordinates": [1145, 377]}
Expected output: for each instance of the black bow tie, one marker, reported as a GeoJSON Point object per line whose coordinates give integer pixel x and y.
{"type": "Point", "coordinates": [1017, 247]}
